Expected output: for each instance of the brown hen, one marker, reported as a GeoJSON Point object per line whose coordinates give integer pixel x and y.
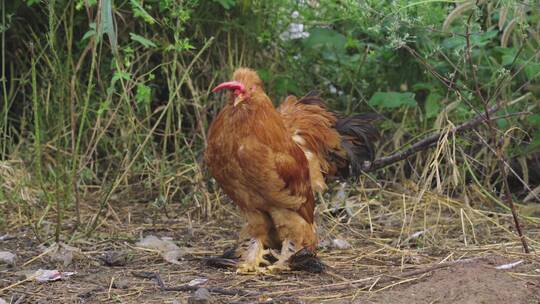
{"type": "Point", "coordinates": [270, 161]}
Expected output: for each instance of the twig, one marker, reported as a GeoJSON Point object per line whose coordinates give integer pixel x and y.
{"type": "Point", "coordinates": [508, 199]}
{"type": "Point", "coordinates": [218, 290]}
{"type": "Point", "coordinates": [15, 284]}
{"type": "Point", "coordinates": [499, 144]}
{"type": "Point", "coordinates": [426, 142]}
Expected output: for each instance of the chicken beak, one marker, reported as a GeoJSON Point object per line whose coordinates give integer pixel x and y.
{"type": "Point", "coordinates": [239, 98]}
{"type": "Point", "coordinates": [238, 90]}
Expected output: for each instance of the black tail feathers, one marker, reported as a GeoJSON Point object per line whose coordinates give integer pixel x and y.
{"type": "Point", "coordinates": [359, 135]}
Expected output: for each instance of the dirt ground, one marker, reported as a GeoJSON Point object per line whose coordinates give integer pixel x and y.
{"type": "Point", "coordinates": [373, 270]}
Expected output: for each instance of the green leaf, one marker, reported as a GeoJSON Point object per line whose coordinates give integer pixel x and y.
{"type": "Point", "coordinates": [121, 75]}
{"type": "Point", "coordinates": [81, 3]}
{"type": "Point", "coordinates": [286, 85]}
{"type": "Point", "coordinates": [227, 4]}
{"type": "Point", "coordinates": [103, 107]}
{"type": "Point", "coordinates": [508, 55]}
{"type": "Point", "coordinates": [482, 39]}
{"type": "Point", "coordinates": [139, 11]}
{"type": "Point", "coordinates": [433, 105]}
{"type": "Point", "coordinates": [503, 123]}
{"type": "Point", "coordinates": [532, 70]}
{"type": "Point", "coordinates": [140, 39]}
{"type": "Point", "coordinates": [454, 42]}
{"type": "Point", "coordinates": [325, 38]}
{"type": "Point", "coordinates": [144, 94]}
{"type": "Point", "coordinates": [422, 86]}
{"type": "Point", "coordinates": [264, 74]}
{"type": "Point", "coordinates": [91, 32]}
{"type": "Point", "coordinates": [392, 99]}
{"type": "Point", "coordinates": [535, 143]}
{"type": "Point", "coordinates": [534, 119]}
{"type": "Point", "coordinates": [31, 2]}
{"type": "Point", "coordinates": [107, 23]}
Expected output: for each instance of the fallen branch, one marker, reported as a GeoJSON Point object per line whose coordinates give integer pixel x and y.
{"type": "Point", "coordinates": [431, 140]}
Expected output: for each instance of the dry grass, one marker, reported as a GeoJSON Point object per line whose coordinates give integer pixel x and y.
{"type": "Point", "coordinates": [400, 235]}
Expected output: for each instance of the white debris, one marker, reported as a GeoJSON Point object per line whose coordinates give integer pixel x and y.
{"type": "Point", "coordinates": [417, 234]}
{"type": "Point", "coordinates": [7, 257]}
{"type": "Point", "coordinates": [153, 242]}
{"type": "Point", "coordinates": [341, 244]}
{"type": "Point", "coordinates": [295, 14]}
{"type": "Point", "coordinates": [196, 282]}
{"type": "Point", "coordinates": [172, 256]}
{"type": "Point", "coordinates": [2, 301]}
{"type": "Point", "coordinates": [341, 193]}
{"type": "Point", "coordinates": [169, 251]}
{"type": "Point", "coordinates": [6, 237]}
{"type": "Point", "coordinates": [46, 275]}
{"type": "Point", "coordinates": [509, 265]}
{"type": "Point", "coordinates": [332, 89]}
{"type": "Point", "coordinates": [294, 31]}
{"type": "Point", "coordinates": [60, 252]}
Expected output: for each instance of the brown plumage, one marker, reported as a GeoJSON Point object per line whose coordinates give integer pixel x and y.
{"type": "Point", "coordinates": [270, 162]}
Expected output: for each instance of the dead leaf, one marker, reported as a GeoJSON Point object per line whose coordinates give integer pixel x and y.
{"type": "Point", "coordinates": [168, 250]}
{"type": "Point", "coordinates": [7, 257]}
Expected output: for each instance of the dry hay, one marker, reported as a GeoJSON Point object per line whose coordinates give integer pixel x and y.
{"type": "Point", "coordinates": [405, 244]}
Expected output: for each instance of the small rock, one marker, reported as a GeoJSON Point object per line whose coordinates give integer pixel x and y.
{"type": "Point", "coordinates": [60, 252]}
{"type": "Point", "coordinates": [201, 296]}
{"type": "Point", "coordinates": [2, 301]}
{"type": "Point", "coordinates": [115, 258]}
{"type": "Point", "coordinates": [6, 237]}
{"type": "Point", "coordinates": [7, 257]}
{"type": "Point", "coordinates": [121, 284]}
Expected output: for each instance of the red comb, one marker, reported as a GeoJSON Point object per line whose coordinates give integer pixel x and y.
{"type": "Point", "coordinates": [233, 85]}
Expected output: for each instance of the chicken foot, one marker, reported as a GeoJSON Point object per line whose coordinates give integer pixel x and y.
{"type": "Point", "coordinates": [253, 257]}
{"type": "Point", "coordinates": [288, 249]}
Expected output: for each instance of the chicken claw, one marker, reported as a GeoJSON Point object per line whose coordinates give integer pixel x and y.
{"type": "Point", "coordinates": [252, 258]}
{"type": "Point", "coordinates": [287, 250]}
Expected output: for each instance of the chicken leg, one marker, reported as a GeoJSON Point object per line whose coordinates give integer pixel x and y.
{"type": "Point", "coordinates": [253, 257]}
{"type": "Point", "coordinates": [288, 249]}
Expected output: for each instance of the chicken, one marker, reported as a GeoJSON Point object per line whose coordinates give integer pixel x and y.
{"type": "Point", "coordinates": [271, 161]}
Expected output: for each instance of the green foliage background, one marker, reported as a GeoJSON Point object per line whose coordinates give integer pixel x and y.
{"type": "Point", "coordinates": [102, 98]}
